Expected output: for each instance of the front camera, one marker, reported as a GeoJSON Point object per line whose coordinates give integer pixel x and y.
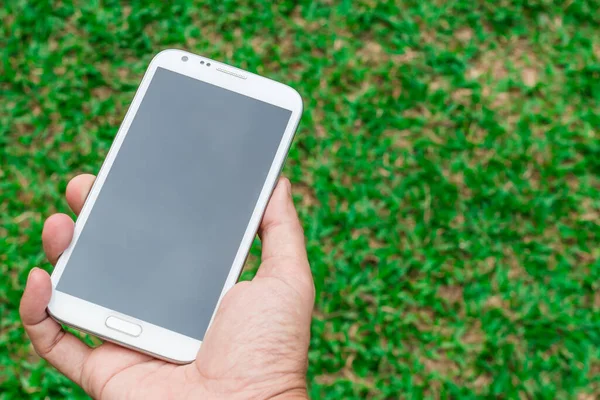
{"type": "Point", "coordinates": [208, 64]}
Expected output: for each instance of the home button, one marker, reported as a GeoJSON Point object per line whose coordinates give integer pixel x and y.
{"type": "Point", "coordinates": [123, 326]}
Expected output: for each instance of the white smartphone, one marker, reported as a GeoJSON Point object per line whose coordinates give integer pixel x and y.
{"type": "Point", "coordinates": [170, 219]}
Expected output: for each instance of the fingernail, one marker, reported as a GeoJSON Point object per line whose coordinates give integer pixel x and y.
{"type": "Point", "coordinates": [288, 186]}
{"type": "Point", "coordinates": [32, 269]}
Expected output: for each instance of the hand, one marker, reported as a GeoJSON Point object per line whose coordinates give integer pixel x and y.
{"type": "Point", "coordinates": [256, 347]}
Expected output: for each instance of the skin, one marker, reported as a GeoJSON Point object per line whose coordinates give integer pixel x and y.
{"type": "Point", "coordinates": [256, 347]}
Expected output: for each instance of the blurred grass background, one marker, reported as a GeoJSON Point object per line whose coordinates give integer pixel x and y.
{"type": "Point", "coordinates": [447, 171]}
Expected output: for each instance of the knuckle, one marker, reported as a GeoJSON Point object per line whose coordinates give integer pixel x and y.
{"type": "Point", "coordinates": [44, 349]}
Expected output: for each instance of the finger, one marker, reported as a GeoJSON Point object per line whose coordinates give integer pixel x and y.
{"type": "Point", "coordinates": [78, 190]}
{"type": "Point", "coordinates": [57, 235]}
{"type": "Point", "coordinates": [283, 247]}
{"type": "Point", "coordinates": [61, 349]}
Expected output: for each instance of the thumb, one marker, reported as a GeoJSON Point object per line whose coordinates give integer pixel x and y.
{"type": "Point", "coordinates": [283, 248]}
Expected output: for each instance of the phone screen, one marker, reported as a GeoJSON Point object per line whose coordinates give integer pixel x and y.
{"type": "Point", "coordinates": [162, 235]}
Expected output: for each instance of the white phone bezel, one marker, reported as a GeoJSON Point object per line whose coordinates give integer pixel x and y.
{"type": "Point", "coordinates": [155, 340]}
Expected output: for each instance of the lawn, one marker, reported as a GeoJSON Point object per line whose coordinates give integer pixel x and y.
{"type": "Point", "coordinates": [447, 172]}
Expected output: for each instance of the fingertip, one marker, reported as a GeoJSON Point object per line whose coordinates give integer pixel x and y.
{"type": "Point", "coordinates": [55, 222]}
{"type": "Point", "coordinates": [281, 231]}
{"type": "Point", "coordinates": [36, 296]}
{"type": "Point", "coordinates": [285, 182]}
{"type": "Point", "coordinates": [281, 206]}
{"type": "Point", "coordinates": [284, 187]}
{"type": "Point", "coordinates": [77, 191]}
{"type": "Point", "coordinates": [38, 279]}
{"type": "Point", "coordinates": [56, 235]}
{"type": "Point", "coordinates": [31, 271]}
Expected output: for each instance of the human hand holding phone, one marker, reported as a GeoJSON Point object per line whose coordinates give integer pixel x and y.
{"type": "Point", "coordinates": [255, 348]}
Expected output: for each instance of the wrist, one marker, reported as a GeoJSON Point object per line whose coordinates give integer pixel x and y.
{"type": "Point", "coordinates": [293, 394]}
{"type": "Point", "coordinates": [288, 388]}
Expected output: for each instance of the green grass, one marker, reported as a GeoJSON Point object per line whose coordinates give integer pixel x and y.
{"type": "Point", "coordinates": [447, 171]}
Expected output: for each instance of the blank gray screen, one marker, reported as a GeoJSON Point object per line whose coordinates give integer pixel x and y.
{"type": "Point", "coordinates": [162, 235]}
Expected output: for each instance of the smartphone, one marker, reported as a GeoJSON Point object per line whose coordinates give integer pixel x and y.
{"type": "Point", "coordinates": [169, 221]}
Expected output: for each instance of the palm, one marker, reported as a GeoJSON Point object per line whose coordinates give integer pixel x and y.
{"type": "Point", "coordinates": [256, 347]}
